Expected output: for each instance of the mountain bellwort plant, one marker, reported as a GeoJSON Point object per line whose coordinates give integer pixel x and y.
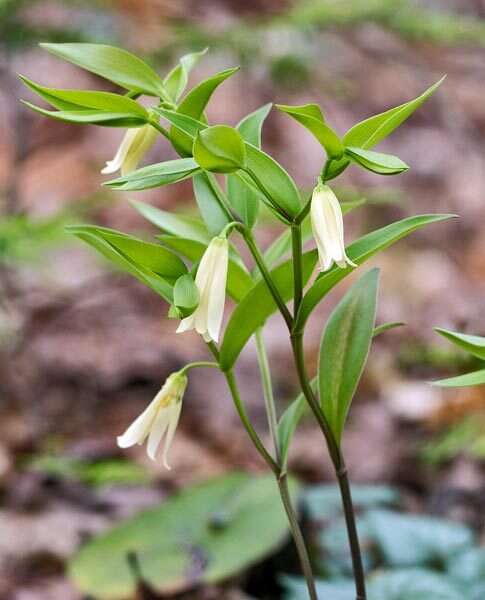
{"type": "Point", "coordinates": [194, 264]}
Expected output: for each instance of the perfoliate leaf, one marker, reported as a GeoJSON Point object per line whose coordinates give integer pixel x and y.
{"type": "Point", "coordinates": [116, 65]}
{"type": "Point", "coordinates": [193, 105]}
{"type": "Point", "coordinates": [219, 149]}
{"type": "Point", "coordinates": [377, 162]}
{"type": "Point", "coordinates": [257, 306]}
{"type": "Point", "coordinates": [210, 205]}
{"type": "Point", "coordinates": [185, 296]}
{"type": "Point", "coordinates": [175, 224]}
{"type": "Point", "coordinates": [344, 348]}
{"type": "Point", "coordinates": [470, 379]}
{"type": "Point", "coordinates": [310, 116]}
{"type": "Point", "coordinates": [473, 344]}
{"type": "Point", "coordinates": [360, 251]}
{"type": "Point", "coordinates": [370, 132]}
{"type": "Point", "coordinates": [176, 80]}
{"type": "Point", "coordinates": [242, 198]}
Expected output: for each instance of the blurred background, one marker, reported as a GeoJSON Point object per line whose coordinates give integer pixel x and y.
{"type": "Point", "coordinates": [83, 348]}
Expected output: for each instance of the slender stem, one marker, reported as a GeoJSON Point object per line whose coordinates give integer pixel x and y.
{"type": "Point", "coordinates": [219, 194]}
{"type": "Point", "coordinates": [282, 480]}
{"type": "Point", "coordinates": [259, 259]}
{"type": "Point", "coordinates": [297, 536]}
{"type": "Point", "coordinates": [160, 128]}
{"type": "Point", "coordinates": [231, 382]}
{"type": "Point", "coordinates": [268, 196]}
{"type": "Point", "coordinates": [197, 364]}
{"type": "Point", "coordinates": [339, 466]}
{"type": "Point", "coordinates": [268, 392]}
{"type": "Point", "coordinates": [296, 245]}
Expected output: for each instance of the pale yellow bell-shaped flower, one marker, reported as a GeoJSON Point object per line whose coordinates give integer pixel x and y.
{"type": "Point", "coordinates": [211, 282]}
{"type": "Point", "coordinates": [158, 419]}
{"type": "Point", "coordinates": [328, 228]}
{"type": "Point", "coordinates": [134, 145]}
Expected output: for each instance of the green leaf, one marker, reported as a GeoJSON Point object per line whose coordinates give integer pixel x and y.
{"type": "Point", "coordinates": [475, 378]}
{"type": "Point", "coordinates": [412, 540]}
{"type": "Point", "coordinates": [414, 584]}
{"type": "Point", "coordinates": [90, 116]}
{"type": "Point", "coordinates": [175, 224]}
{"type": "Point", "coordinates": [124, 262]}
{"type": "Point", "coordinates": [310, 116]}
{"type": "Point", "coordinates": [289, 420]}
{"type": "Point", "coordinates": [280, 190]}
{"type": "Point", "coordinates": [176, 80]}
{"type": "Point", "coordinates": [186, 124]}
{"type": "Point", "coordinates": [219, 149]}
{"type": "Point", "coordinates": [155, 175]}
{"type": "Point", "coordinates": [344, 349]}
{"type": "Point", "coordinates": [193, 105]}
{"type": "Point", "coordinates": [383, 164]}
{"type": "Point", "coordinates": [210, 206]}
{"type": "Point", "coordinates": [473, 344]}
{"type": "Point", "coordinates": [239, 281]}
{"type": "Point", "coordinates": [185, 296]}
{"type": "Point", "coordinates": [243, 199]}
{"type": "Point", "coordinates": [386, 327]}
{"type": "Point", "coordinates": [116, 65]}
{"type": "Point", "coordinates": [79, 99]}
{"type": "Point", "coordinates": [151, 256]}
{"type": "Point", "coordinates": [360, 251]}
{"type": "Point", "coordinates": [257, 306]}
{"type": "Point", "coordinates": [370, 132]}
{"type": "Point", "coordinates": [203, 535]}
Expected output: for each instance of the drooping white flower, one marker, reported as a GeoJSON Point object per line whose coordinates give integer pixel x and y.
{"type": "Point", "coordinates": [158, 419]}
{"type": "Point", "coordinates": [134, 145]}
{"type": "Point", "coordinates": [328, 228]}
{"type": "Point", "coordinates": [211, 282]}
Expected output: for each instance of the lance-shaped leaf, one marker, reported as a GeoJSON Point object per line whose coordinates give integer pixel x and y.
{"type": "Point", "coordinates": [379, 329]}
{"type": "Point", "coordinates": [175, 224]}
{"type": "Point", "coordinates": [219, 149]}
{"type": "Point", "coordinates": [156, 175]}
{"type": "Point", "coordinates": [473, 344]}
{"type": "Point", "coordinates": [239, 281]}
{"type": "Point", "coordinates": [377, 162]}
{"type": "Point", "coordinates": [193, 105]}
{"type": "Point", "coordinates": [257, 306]}
{"type": "Point", "coordinates": [360, 251]}
{"type": "Point", "coordinates": [243, 198]}
{"type": "Point", "coordinates": [467, 380]}
{"type": "Point", "coordinates": [91, 116]}
{"type": "Point", "coordinates": [370, 132]}
{"type": "Point", "coordinates": [311, 117]}
{"type": "Point", "coordinates": [176, 80]}
{"type": "Point", "coordinates": [344, 349]}
{"type": "Point", "coordinates": [115, 64]}
{"type": "Point", "coordinates": [123, 261]}
{"type": "Point", "coordinates": [209, 200]}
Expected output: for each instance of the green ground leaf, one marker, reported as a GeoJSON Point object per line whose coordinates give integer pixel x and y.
{"type": "Point", "coordinates": [206, 534]}
{"type": "Point", "coordinates": [257, 306]}
{"type": "Point", "coordinates": [360, 251]}
{"type": "Point", "coordinates": [115, 64]}
{"type": "Point", "coordinates": [344, 349]}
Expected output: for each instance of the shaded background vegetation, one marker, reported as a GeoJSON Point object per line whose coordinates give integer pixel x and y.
{"type": "Point", "coordinates": [82, 348]}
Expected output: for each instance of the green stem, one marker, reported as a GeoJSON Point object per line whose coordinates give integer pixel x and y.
{"type": "Point", "coordinates": [259, 259]}
{"type": "Point", "coordinates": [297, 536]}
{"type": "Point", "coordinates": [197, 364]}
{"type": "Point", "coordinates": [268, 196]}
{"type": "Point", "coordinates": [219, 194]}
{"type": "Point", "coordinates": [268, 392]}
{"type": "Point", "coordinates": [160, 129]}
{"type": "Point", "coordinates": [296, 245]}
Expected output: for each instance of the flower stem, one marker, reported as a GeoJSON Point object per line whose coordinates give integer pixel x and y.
{"type": "Point", "coordinates": [197, 364]}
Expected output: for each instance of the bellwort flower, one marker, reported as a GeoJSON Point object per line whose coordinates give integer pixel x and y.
{"type": "Point", "coordinates": [134, 145]}
{"type": "Point", "coordinates": [211, 282]}
{"type": "Point", "coordinates": [158, 419]}
{"type": "Point", "coordinates": [328, 228]}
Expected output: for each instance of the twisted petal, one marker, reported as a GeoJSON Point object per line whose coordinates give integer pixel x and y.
{"type": "Point", "coordinates": [115, 165]}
